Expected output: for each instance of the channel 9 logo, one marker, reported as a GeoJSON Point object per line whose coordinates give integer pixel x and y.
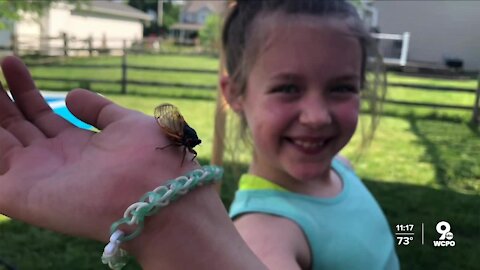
{"type": "Point", "coordinates": [446, 236]}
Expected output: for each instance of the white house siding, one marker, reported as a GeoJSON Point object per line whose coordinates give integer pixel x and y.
{"type": "Point", "coordinates": [438, 28]}
{"type": "Point", "coordinates": [29, 30]}
{"type": "Point", "coordinates": [83, 25]}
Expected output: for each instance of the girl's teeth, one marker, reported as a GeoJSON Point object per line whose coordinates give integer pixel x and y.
{"type": "Point", "coordinates": [307, 145]}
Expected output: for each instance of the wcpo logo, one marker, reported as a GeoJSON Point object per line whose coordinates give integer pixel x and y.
{"type": "Point", "coordinates": [446, 236]}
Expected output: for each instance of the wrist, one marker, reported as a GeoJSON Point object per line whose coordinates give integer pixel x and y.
{"type": "Point", "coordinates": [193, 232]}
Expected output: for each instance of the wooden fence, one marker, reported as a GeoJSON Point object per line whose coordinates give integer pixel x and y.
{"type": "Point", "coordinates": [64, 45]}
{"type": "Point", "coordinates": [124, 82]}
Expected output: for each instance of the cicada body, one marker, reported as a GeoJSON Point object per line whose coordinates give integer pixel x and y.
{"type": "Point", "coordinates": [176, 128]}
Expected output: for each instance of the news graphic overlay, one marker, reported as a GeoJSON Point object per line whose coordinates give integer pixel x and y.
{"type": "Point", "coordinates": [446, 236]}
{"type": "Point", "coordinates": [404, 234]}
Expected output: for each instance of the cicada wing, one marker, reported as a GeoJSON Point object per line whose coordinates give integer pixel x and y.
{"type": "Point", "coordinates": [170, 119]}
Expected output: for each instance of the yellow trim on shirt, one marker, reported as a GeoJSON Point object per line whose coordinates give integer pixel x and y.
{"type": "Point", "coordinates": [253, 182]}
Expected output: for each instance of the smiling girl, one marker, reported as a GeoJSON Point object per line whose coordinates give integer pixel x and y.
{"type": "Point", "coordinates": [296, 72]}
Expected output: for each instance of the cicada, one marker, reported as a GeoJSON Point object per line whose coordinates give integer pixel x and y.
{"type": "Point", "coordinates": [176, 128]}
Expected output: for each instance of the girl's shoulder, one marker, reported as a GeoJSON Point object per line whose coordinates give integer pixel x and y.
{"type": "Point", "coordinates": [344, 161]}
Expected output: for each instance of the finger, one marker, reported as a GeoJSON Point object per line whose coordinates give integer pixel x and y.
{"type": "Point", "coordinates": [29, 100]}
{"type": "Point", "coordinates": [12, 120]}
{"type": "Point", "coordinates": [94, 109]}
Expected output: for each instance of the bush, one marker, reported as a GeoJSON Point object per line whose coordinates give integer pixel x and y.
{"type": "Point", "coordinates": [210, 33]}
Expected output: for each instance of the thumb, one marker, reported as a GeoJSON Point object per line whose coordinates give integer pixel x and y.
{"type": "Point", "coordinates": [94, 109]}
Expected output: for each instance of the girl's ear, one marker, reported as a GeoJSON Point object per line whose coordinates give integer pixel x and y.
{"type": "Point", "coordinates": [231, 94]}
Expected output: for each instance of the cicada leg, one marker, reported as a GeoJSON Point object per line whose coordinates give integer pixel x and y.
{"type": "Point", "coordinates": [193, 152]}
{"type": "Point", "coordinates": [184, 154]}
{"type": "Point", "coordinates": [166, 146]}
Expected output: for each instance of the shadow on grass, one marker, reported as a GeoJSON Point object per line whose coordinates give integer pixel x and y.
{"type": "Point", "coordinates": [474, 127]}
{"type": "Point", "coordinates": [452, 145]}
{"type": "Point", "coordinates": [453, 149]}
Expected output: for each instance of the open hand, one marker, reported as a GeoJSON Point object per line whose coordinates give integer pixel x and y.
{"type": "Point", "coordinates": [71, 180]}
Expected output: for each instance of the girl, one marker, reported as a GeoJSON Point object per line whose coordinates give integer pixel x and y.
{"type": "Point", "coordinates": [296, 72]}
{"type": "Point", "coordinates": [296, 84]}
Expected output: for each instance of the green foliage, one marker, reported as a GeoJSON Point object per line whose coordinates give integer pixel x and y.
{"type": "Point", "coordinates": [210, 33]}
{"type": "Point", "coordinates": [356, 3]}
{"type": "Point", "coordinates": [10, 10]}
{"type": "Point", "coordinates": [171, 13]}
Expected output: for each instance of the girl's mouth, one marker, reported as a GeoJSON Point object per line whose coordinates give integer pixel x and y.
{"type": "Point", "coordinates": [308, 146]}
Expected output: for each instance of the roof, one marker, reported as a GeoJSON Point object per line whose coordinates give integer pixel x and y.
{"type": "Point", "coordinates": [116, 8]}
{"type": "Point", "coordinates": [217, 6]}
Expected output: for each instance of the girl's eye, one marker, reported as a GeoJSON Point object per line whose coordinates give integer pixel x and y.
{"type": "Point", "coordinates": [286, 89]}
{"type": "Point", "coordinates": [341, 89]}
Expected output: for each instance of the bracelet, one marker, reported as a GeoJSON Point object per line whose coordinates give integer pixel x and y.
{"type": "Point", "coordinates": [148, 205]}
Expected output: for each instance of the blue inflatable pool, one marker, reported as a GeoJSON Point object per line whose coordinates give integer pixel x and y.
{"type": "Point", "coordinates": [57, 103]}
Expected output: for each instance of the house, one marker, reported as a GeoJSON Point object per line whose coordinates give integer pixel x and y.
{"type": "Point", "coordinates": [98, 24]}
{"type": "Point", "coordinates": [192, 17]}
{"type": "Point", "coordinates": [441, 32]}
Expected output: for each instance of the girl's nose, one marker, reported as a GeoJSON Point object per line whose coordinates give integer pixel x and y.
{"type": "Point", "coordinates": [315, 113]}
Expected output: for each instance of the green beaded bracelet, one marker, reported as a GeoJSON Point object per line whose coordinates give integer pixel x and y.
{"type": "Point", "coordinates": [148, 205]}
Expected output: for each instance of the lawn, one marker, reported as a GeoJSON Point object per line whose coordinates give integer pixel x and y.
{"type": "Point", "coordinates": [422, 167]}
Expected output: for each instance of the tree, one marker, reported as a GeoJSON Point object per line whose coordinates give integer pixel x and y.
{"type": "Point", "coordinates": [11, 10]}
{"type": "Point", "coordinates": [171, 14]}
{"type": "Point", "coordinates": [210, 33]}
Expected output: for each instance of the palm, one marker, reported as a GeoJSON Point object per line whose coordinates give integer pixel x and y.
{"type": "Point", "coordinates": [46, 160]}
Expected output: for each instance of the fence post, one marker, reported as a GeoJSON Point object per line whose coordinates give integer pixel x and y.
{"type": "Point", "coordinates": [405, 44]}
{"type": "Point", "coordinates": [476, 106]}
{"type": "Point", "coordinates": [90, 46]}
{"type": "Point", "coordinates": [65, 44]}
{"type": "Point", "coordinates": [14, 45]}
{"type": "Point", "coordinates": [124, 68]}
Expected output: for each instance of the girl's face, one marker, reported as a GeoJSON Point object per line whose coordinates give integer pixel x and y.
{"type": "Point", "coordinates": [302, 98]}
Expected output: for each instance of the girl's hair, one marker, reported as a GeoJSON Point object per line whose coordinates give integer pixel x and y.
{"type": "Point", "coordinates": [240, 50]}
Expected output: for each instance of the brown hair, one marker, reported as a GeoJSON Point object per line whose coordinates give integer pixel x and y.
{"type": "Point", "coordinates": [237, 43]}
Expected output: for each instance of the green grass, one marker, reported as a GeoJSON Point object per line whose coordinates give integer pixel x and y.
{"type": "Point", "coordinates": [422, 167]}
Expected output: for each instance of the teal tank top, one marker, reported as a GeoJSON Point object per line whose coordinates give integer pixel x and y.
{"type": "Point", "coordinates": [346, 232]}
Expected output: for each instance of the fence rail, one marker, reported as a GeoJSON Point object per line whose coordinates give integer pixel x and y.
{"type": "Point", "coordinates": [430, 105]}
{"type": "Point", "coordinates": [433, 88]}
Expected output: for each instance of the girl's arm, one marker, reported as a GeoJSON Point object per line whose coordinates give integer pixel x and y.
{"type": "Point", "coordinates": [277, 241]}
{"type": "Point", "coordinates": [78, 182]}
